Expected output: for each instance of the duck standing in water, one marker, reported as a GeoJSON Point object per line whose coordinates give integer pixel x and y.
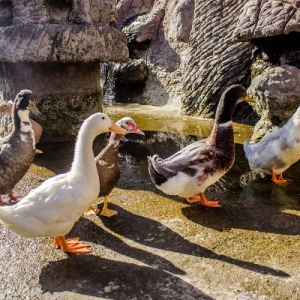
{"type": "Point", "coordinates": [191, 170]}
{"type": "Point", "coordinates": [6, 108]}
{"type": "Point", "coordinates": [45, 211]}
{"type": "Point", "coordinates": [17, 150]}
{"type": "Point", "coordinates": [276, 151]}
{"type": "Point", "coordinates": [108, 167]}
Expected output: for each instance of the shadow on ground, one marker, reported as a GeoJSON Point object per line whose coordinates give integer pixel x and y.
{"type": "Point", "coordinates": [151, 233]}
{"type": "Point", "coordinates": [94, 276]}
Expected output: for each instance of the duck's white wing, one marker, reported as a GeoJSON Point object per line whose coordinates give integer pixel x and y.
{"type": "Point", "coordinates": [49, 209]}
{"type": "Point", "coordinates": [266, 152]}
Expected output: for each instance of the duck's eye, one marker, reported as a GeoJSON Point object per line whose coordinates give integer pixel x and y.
{"type": "Point", "coordinates": [127, 122]}
{"type": "Point", "coordinates": [103, 118]}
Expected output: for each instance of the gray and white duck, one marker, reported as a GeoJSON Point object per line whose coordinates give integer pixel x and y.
{"type": "Point", "coordinates": [276, 151]}
{"type": "Point", "coordinates": [108, 167]}
{"type": "Point", "coordinates": [190, 171]}
{"type": "Point", "coordinates": [17, 150]}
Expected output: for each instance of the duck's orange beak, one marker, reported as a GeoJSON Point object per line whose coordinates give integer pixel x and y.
{"type": "Point", "coordinates": [249, 99]}
{"type": "Point", "coordinates": [117, 129]}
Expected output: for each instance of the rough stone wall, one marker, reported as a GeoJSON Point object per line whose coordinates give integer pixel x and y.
{"type": "Point", "coordinates": [262, 18]}
{"type": "Point", "coordinates": [152, 37]}
{"type": "Point", "coordinates": [215, 60]}
{"type": "Point", "coordinates": [191, 56]}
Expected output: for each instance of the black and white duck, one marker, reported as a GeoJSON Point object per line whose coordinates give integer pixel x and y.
{"type": "Point", "coordinates": [45, 211]}
{"type": "Point", "coordinates": [6, 108]}
{"type": "Point", "coordinates": [17, 150]}
{"type": "Point", "coordinates": [191, 170]}
{"type": "Point", "coordinates": [108, 167]}
{"type": "Point", "coordinates": [276, 151]}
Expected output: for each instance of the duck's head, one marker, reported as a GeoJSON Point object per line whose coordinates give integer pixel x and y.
{"type": "Point", "coordinates": [236, 93]}
{"type": "Point", "coordinates": [129, 125]}
{"type": "Point", "coordinates": [102, 123]}
{"type": "Point", "coordinates": [233, 95]}
{"type": "Point", "coordinates": [6, 107]}
{"type": "Point", "coordinates": [25, 101]}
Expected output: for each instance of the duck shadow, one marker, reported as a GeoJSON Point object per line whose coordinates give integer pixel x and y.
{"type": "Point", "coordinates": [260, 206]}
{"type": "Point", "coordinates": [104, 278]}
{"type": "Point", "coordinates": [88, 230]}
{"type": "Point", "coordinates": [153, 234]}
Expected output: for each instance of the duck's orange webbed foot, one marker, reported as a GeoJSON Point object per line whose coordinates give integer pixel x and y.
{"type": "Point", "coordinates": [106, 211]}
{"type": "Point", "coordinates": [71, 245]}
{"type": "Point", "coordinates": [278, 179]}
{"type": "Point", "coordinates": [193, 199]}
{"type": "Point", "coordinates": [203, 201]}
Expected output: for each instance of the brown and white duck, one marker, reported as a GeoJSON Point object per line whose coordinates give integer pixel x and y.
{"type": "Point", "coordinates": [108, 167]}
{"type": "Point", "coordinates": [17, 150]}
{"type": "Point", "coordinates": [6, 108]}
{"type": "Point", "coordinates": [191, 170]}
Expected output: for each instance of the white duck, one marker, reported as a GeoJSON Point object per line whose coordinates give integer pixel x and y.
{"type": "Point", "coordinates": [191, 170]}
{"type": "Point", "coordinates": [45, 211]}
{"type": "Point", "coordinates": [276, 151]}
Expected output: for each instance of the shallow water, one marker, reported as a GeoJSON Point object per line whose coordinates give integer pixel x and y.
{"type": "Point", "coordinates": [133, 153]}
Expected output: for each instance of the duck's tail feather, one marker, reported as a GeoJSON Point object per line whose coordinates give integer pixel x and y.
{"type": "Point", "coordinates": [155, 171]}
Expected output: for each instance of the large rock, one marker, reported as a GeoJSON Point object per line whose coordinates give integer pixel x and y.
{"type": "Point", "coordinates": [277, 95]}
{"type": "Point", "coordinates": [215, 60]}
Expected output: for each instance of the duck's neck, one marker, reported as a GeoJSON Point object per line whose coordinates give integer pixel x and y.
{"type": "Point", "coordinates": [22, 124]}
{"type": "Point", "coordinates": [222, 136]}
{"type": "Point", "coordinates": [115, 138]}
{"type": "Point", "coordinates": [222, 132]}
{"type": "Point", "coordinates": [20, 119]}
{"type": "Point", "coordinates": [83, 161]}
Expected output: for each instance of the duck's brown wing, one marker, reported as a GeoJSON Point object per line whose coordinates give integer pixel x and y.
{"type": "Point", "coordinates": [188, 160]}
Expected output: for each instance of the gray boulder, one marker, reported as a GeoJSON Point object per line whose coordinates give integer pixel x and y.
{"type": "Point", "coordinates": [277, 95]}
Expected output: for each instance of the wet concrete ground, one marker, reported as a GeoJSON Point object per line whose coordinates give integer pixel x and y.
{"type": "Point", "coordinates": [158, 246]}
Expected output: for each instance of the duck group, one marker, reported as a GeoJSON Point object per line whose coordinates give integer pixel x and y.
{"type": "Point", "coordinates": [45, 211]}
